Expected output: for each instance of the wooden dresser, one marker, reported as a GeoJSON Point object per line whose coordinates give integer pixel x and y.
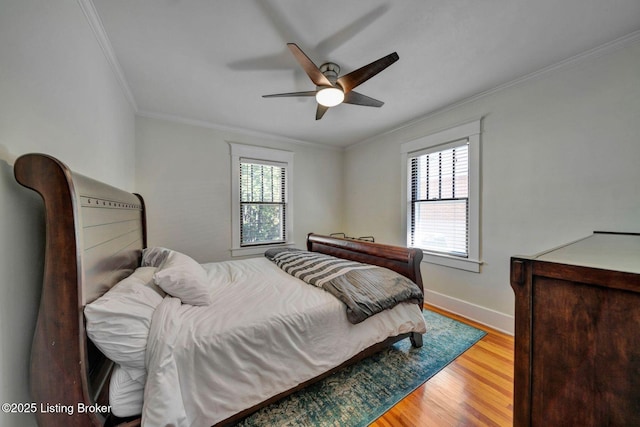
{"type": "Point", "coordinates": [577, 334]}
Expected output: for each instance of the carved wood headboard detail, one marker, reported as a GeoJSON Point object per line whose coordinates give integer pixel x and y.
{"type": "Point", "coordinates": [95, 234]}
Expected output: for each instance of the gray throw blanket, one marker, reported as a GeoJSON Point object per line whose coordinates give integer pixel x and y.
{"type": "Point", "coordinates": [365, 289]}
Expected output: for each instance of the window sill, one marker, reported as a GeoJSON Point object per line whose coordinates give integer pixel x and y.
{"type": "Point", "coordinates": [453, 262]}
{"type": "Point", "coordinates": [258, 250]}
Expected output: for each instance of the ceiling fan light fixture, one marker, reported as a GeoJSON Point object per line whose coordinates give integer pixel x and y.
{"type": "Point", "coordinates": [332, 90]}
{"type": "Point", "coordinates": [330, 96]}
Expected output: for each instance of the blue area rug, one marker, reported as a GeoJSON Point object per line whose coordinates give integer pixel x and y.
{"type": "Point", "coordinates": [357, 395]}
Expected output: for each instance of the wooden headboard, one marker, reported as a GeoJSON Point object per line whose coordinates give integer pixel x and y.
{"type": "Point", "coordinates": [95, 234]}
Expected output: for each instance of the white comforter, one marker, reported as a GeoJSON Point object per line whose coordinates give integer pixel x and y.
{"type": "Point", "coordinates": [264, 333]}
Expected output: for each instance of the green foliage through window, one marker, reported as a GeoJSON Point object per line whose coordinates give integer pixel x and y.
{"type": "Point", "coordinates": [262, 202]}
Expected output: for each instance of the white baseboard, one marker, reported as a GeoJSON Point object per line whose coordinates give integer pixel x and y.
{"type": "Point", "coordinates": [485, 316]}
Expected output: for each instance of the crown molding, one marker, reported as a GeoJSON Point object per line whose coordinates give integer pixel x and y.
{"type": "Point", "coordinates": [95, 23]}
{"type": "Point", "coordinates": [596, 52]}
{"type": "Point", "coordinates": [236, 130]}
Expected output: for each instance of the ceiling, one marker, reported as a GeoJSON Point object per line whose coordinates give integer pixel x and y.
{"type": "Point", "coordinates": [210, 62]}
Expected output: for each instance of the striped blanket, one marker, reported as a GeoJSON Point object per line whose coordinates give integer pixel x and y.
{"type": "Point", "coordinates": [365, 289]}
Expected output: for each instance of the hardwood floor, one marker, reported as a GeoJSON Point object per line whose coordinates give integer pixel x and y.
{"type": "Point", "coordinates": [476, 389]}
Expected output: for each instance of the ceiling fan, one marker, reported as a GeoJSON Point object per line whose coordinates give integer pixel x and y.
{"type": "Point", "coordinates": [332, 90]}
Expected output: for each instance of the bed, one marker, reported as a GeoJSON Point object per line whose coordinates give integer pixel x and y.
{"type": "Point", "coordinates": [95, 238]}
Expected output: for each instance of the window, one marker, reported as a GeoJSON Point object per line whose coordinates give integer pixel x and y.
{"type": "Point", "coordinates": [442, 196]}
{"type": "Point", "coordinates": [261, 201]}
{"type": "Point", "coordinates": [263, 207]}
{"type": "Point", "coordinates": [439, 200]}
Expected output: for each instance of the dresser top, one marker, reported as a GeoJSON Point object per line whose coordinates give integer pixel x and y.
{"type": "Point", "coordinates": [610, 251]}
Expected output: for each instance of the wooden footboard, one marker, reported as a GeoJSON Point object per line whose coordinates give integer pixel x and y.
{"type": "Point", "coordinates": [405, 261]}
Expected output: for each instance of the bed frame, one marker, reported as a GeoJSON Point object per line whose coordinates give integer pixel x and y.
{"type": "Point", "coordinates": [95, 234]}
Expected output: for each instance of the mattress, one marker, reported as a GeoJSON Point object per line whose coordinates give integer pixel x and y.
{"type": "Point", "coordinates": [264, 333]}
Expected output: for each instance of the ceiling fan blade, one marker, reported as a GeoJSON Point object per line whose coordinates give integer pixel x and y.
{"type": "Point", "coordinates": [282, 95]}
{"type": "Point", "coordinates": [360, 99]}
{"type": "Point", "coordinates": [320, 111]}
{"type": "Point", "coordinates": [308, 66]}
{"type": "Point", "coordinates": [361, 75]}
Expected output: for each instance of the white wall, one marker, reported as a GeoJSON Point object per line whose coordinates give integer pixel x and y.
{"type": "Point", "coordinates": [560, 159]}
{"type": "Point", "coordinates": [60, 97]}
{"type": "Point", "coordinates": [184, 171]}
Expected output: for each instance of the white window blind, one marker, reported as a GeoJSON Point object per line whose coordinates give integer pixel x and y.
{"type": "Point", "coordinates": [263, 202]}
{"type": "Point", "coordinates": [439, 199]}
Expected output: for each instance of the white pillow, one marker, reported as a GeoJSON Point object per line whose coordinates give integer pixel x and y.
{"type": "Point", "coordinates": [126, 391]}
{"type": "Point", "coordinates": [182, 277]}
{"type": "Point", "coordinates": [118, 322]}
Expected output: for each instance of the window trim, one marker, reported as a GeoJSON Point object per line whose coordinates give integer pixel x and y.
{"type": "Point", "coordinates": [243, 151]}
{"type": "Point", "coordinates": [435, 142]}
